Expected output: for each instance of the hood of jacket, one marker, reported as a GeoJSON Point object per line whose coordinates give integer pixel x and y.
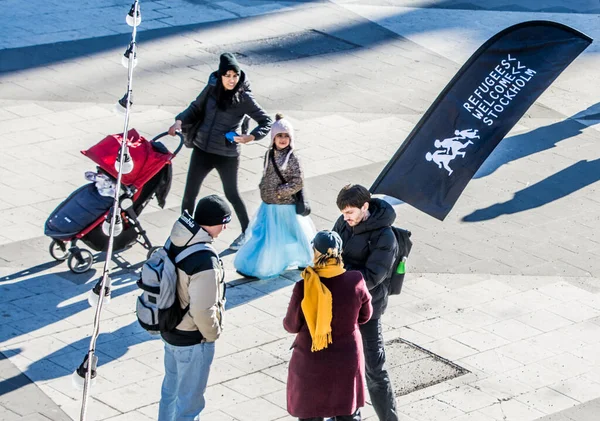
{"type": "Point", "coordinates": [186, 232]}
{"type": "Point", "coordinates": [382, 215]}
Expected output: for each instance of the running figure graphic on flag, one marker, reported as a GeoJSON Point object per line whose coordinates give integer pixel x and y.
{"type": "Point", "coordinates": [450, 148]}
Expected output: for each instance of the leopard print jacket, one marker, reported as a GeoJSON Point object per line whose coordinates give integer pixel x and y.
{"type": "Point", "coordinates": [272, 190]}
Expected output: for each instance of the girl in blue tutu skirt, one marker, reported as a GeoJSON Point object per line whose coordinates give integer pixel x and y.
{"type": "Point", "coordinates": [279, 238]}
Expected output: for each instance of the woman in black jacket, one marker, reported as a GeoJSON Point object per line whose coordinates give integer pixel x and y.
{"type": "Point", "coordinates": [220, 109]}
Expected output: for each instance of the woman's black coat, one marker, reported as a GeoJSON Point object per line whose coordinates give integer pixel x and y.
{"type": "Point", "coordinates": [205, 124]}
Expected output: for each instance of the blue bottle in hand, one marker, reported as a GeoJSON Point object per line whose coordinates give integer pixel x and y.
{"type": "Point", "coordinates": [230, 136]}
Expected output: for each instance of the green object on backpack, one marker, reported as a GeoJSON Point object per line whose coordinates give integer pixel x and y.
{"type": "Point", "coordinates": [404, 247]}
{"type": "Point", "coordinates": [401, 269]}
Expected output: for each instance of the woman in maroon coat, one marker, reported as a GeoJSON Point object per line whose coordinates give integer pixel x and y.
{"type": "Point", "coordinates": [327, 369]}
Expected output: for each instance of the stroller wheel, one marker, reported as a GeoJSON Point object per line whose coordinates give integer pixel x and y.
{"type": "Point", "coordinates": [152, 250]}
{"type": "Point", "coordinates": [81, 262]}
{"type": "Point", "coordinates": [58, 251]}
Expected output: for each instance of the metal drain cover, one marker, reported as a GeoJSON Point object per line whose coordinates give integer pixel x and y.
{"type": "Point", "coordinates": [412, 367]}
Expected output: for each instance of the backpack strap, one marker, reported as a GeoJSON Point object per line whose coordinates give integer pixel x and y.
{"type": "Point", "coordinates": [276, 168]}
{"type": "Point", "coordinates": [188, 251]}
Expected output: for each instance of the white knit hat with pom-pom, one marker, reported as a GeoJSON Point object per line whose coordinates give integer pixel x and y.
{"type": "Point", "coordinates": [282, 125]}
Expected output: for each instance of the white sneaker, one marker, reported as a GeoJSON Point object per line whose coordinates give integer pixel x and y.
{"type": "Point", "coordinates": [238, 242]}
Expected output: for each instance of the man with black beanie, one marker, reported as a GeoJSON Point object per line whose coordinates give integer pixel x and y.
{"type": "Point", "coordinates": [190, 347]}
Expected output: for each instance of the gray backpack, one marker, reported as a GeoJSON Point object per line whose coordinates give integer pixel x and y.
{"type": "Point", "coordinates": [158, 309]}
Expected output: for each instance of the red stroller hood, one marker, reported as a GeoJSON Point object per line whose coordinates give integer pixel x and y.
{"type": "Point", "coordinates": [147, 161]}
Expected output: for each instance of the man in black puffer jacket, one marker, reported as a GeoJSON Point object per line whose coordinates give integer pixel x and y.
{"type": "Point", "coordinates": [369, 246]}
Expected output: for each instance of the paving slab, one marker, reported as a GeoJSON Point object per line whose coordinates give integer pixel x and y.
{"type": "Point", "coordinates": [22, 400]}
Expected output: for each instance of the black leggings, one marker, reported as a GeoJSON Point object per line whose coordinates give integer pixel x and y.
{"type": "Point", "coordinates": [203, 163]}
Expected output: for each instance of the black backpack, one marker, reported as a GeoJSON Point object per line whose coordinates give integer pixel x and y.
{"type": "Point", "coordinates": [398, 268]}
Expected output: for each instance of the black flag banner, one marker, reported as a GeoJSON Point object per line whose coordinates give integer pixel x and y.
{"type": "Point", "coordinates": [474, 112]}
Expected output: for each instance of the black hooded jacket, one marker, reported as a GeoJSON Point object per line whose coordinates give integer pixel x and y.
{"type": "Point", "coordinates": [371, 248]}
{"type": "Point", "coordinates": [205, 124]}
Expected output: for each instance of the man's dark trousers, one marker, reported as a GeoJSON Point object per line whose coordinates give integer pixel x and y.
{"type": "Point", "coordinates": [378, 379]}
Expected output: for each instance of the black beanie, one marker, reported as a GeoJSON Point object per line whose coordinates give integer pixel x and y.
{"type": "Point", "coordinates": [228, 62]}
{"type": "Point", "coordinates": [212, 210]}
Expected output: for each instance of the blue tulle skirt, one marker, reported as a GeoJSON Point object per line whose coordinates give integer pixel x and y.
{"type": "Point", "coordinates": [277, 238]}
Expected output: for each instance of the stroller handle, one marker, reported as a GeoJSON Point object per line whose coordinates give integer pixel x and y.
{"type": "Point", "coordinates": [180, 141]}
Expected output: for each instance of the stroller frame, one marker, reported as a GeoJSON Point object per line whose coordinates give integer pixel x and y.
{"type": "Point", "coordinates": [80, 259]}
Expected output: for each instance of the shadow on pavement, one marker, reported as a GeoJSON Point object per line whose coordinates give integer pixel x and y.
{"type": "Point", "coordinates": [34, 303]}
{"type": "Point", "coordinates": [557, 186]}
{"type": "Point", "coordinates": [360, 33]}
{"type": "Point", "coordinates": [540, 139]}
{"type": "Point", "coordinates": [29, 271]}
{"type": "Point", "coordinates": [35, 56]}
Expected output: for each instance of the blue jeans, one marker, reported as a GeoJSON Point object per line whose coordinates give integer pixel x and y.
{"type": "Point", "coordinates": [186, 376]}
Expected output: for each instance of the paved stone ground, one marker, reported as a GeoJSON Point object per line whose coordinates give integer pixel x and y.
{"type": "Point", "coordinates": [506, 287]}
{"type": "Point", "coordinates": [20, 399]}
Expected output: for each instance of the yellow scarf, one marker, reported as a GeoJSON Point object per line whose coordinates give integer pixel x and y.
{"type": "Point", "coordinates": [317, 304]}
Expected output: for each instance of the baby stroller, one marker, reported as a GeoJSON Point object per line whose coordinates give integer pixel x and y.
{"type": "Point", "coordinates": [82, 214]}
